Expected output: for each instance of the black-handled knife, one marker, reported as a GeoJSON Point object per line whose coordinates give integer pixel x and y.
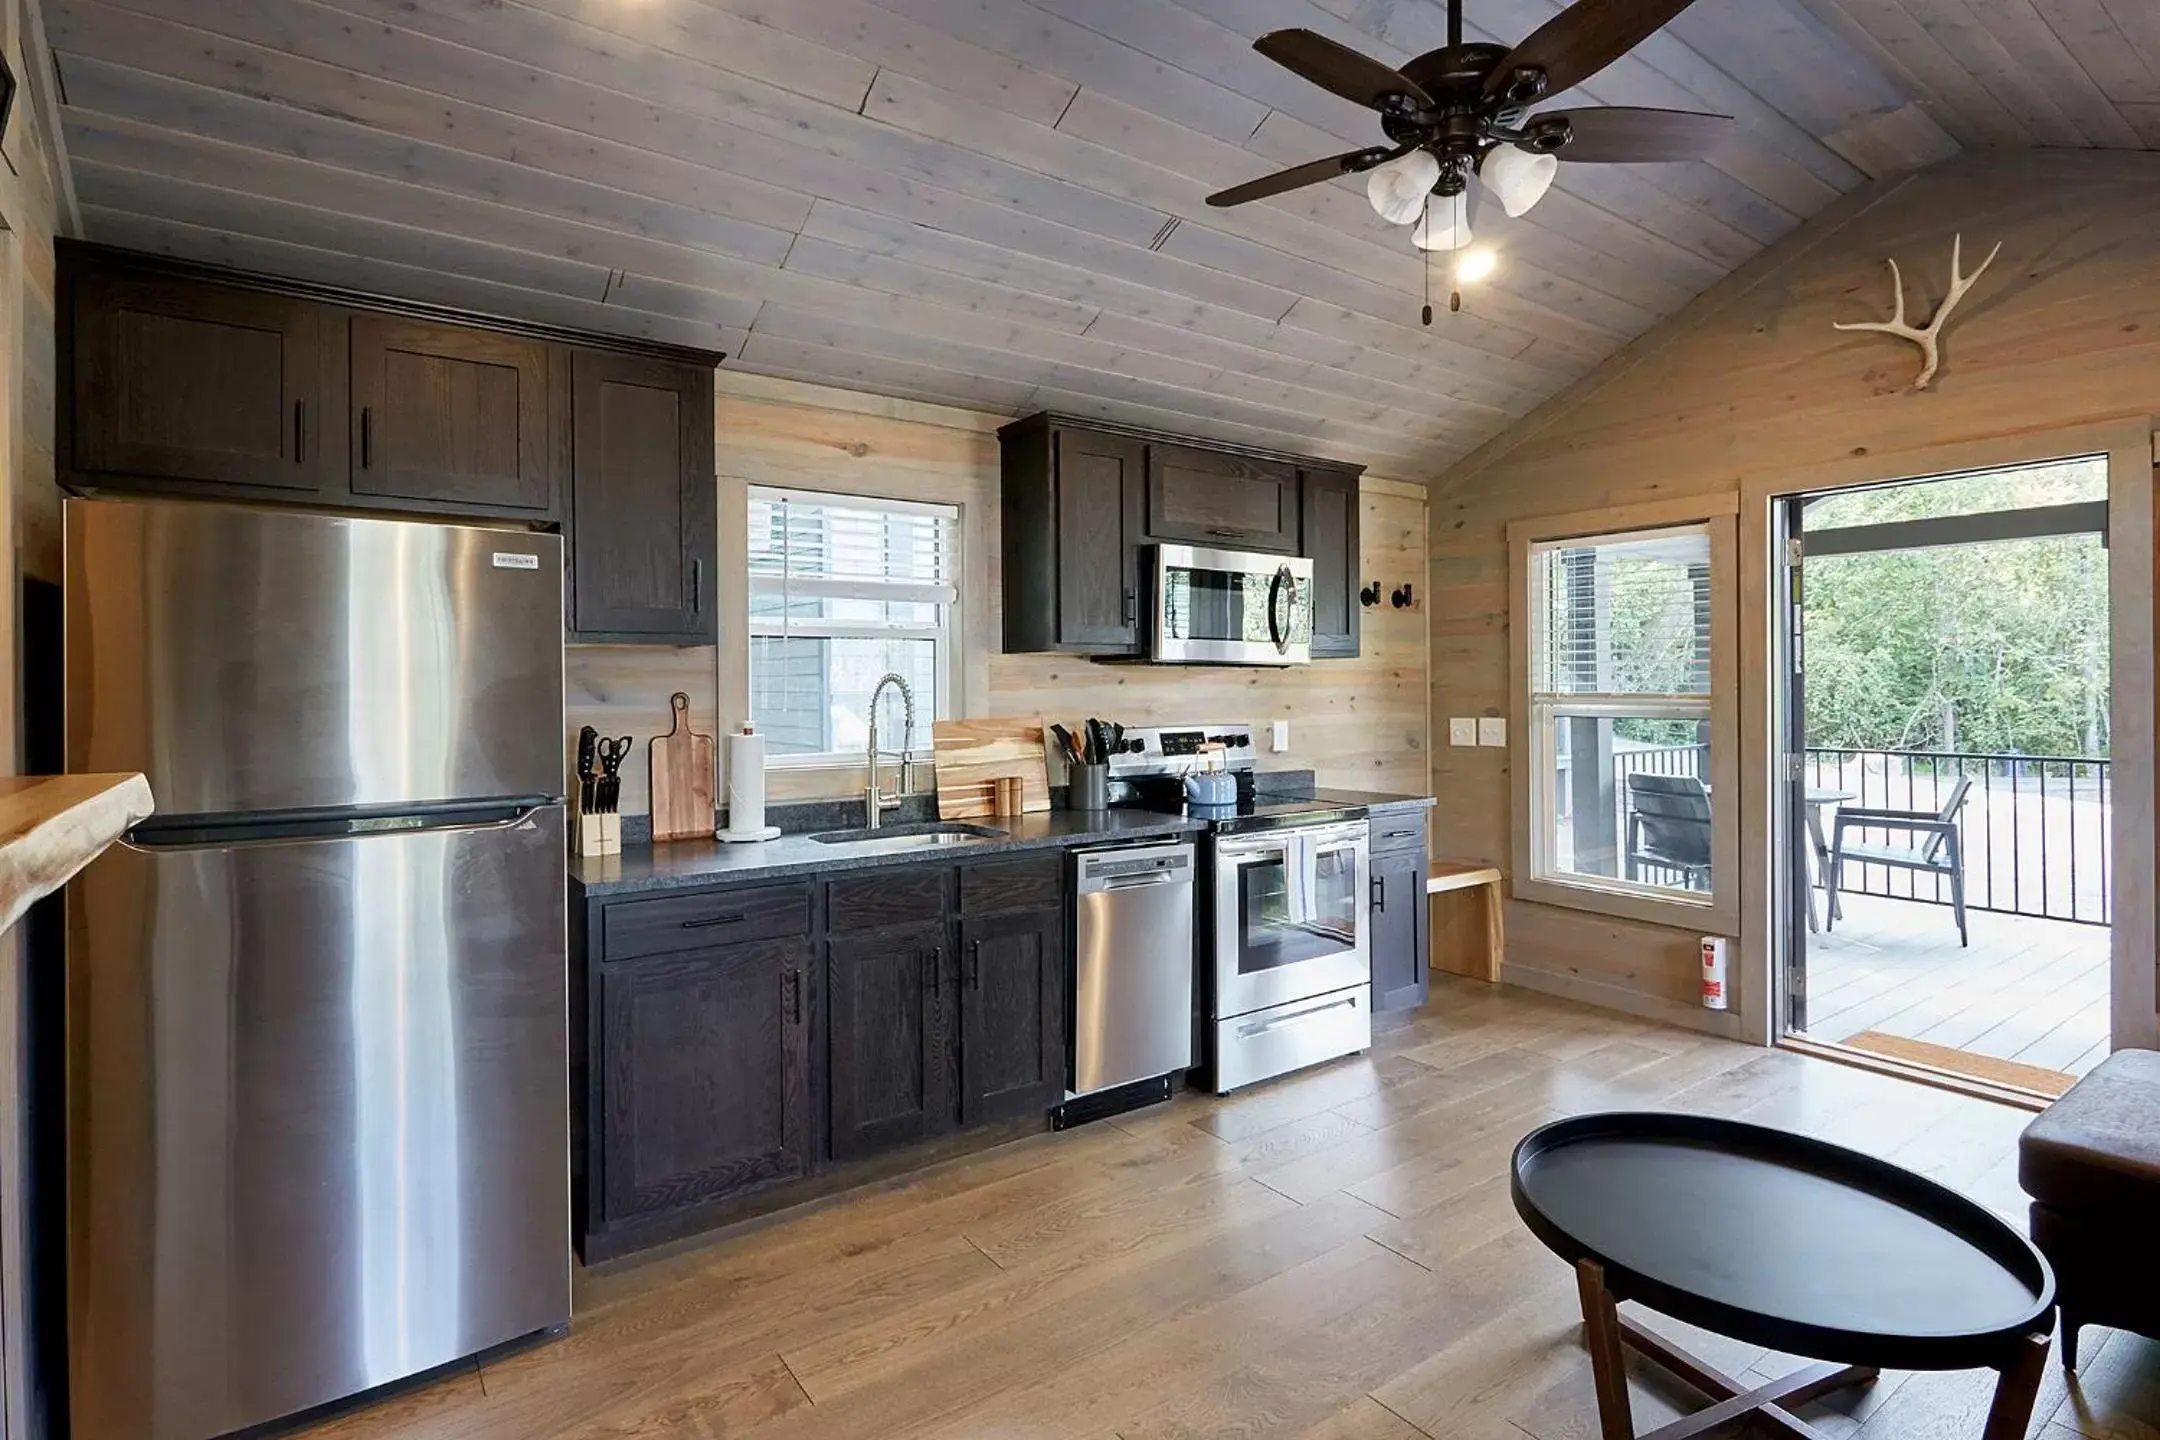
{"type": "Point", "coordinates": [588, 755]}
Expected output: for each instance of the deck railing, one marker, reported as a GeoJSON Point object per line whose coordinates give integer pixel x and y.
{"type": "Point", "coordinates": [2034, 828]}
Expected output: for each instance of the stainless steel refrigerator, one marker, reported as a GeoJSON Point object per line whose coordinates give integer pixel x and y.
{"type": "Point", "coordinates": [317, 1075]}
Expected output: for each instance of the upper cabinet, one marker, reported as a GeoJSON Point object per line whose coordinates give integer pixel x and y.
{"type": "Point", "coordinates": [452, 415]}
{"type": "Point", "coordinates": [642, 499]}
{"type": "Point", "coordinates": [176, 379]}
{"type": "Point", "coordinates": [200, 385]}
{"type": "Point", "coordinates": [1328, 531]}
{"type": "Point", "coordinates": [1224, 501]}
{"type": "Point", "coordinates": [1083, 500]}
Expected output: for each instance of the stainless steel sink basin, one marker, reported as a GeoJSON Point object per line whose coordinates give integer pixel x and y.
{"type": "Point", "coordinates": [911, 837]}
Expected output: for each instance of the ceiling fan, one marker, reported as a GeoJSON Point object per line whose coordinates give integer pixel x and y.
{"type": "Point", "coordinates": [1463, 110]}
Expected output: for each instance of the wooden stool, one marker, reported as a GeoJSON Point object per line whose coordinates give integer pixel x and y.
{"type": "Point", "coordinates": [1473, 948]}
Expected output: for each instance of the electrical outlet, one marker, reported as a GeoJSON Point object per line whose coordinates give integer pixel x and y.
{"type": "Point", "coordinates": [1462, 730]}
{"type": "Point", "coordinates": [1279, 737]}
{"type": "Point", "coordinates": [1492, 730]}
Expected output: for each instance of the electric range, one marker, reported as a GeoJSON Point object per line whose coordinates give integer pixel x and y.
{"type": "Point", "coordinates": [1285, 960]}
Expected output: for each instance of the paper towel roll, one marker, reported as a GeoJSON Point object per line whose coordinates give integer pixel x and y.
{"type": "Point", "coordinates": [746, 788]}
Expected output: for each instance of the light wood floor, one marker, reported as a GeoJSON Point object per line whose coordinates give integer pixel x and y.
{"type": "Point", "coordinates": [2030, 990]}
{"type": "Point", "coordinates": [1332, 1255]}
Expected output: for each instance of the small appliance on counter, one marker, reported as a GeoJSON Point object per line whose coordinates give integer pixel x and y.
{"type": "Point", "coordinates": [1285, 950]}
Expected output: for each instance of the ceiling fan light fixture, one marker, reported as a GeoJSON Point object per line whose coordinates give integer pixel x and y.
{"type": "Point", "coordinates": [1445, 224]}
{"type": "Point", "coordinates": [1518, 178]}
{"type": "Point", "coordinates": [1398, 188]}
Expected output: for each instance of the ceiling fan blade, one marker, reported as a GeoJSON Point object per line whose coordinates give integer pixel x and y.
{"type": "Point", "coordinates": [1339, 68]}
{"type": "Point", "coordinates": [1299, 176]}
{"type": "Point", "coordinates": [1618, 135]}
{"type": "Point", "coordinates": [1582, 40]}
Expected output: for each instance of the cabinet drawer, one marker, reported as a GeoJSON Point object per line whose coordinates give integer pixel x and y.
{"type": "Point", "coordinates": [1398, 830]}
{"type": "Point", "coordinates": [672, 923]}
{"type": "Point", "coordinates": [876, 899]}
{"type": "Point", "coordinates": [1031, 882]}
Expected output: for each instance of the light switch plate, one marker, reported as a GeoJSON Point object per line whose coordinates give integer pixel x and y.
{"type": "Point", "coordinates": [1279, 736]}
{"type": "Point", "coordinates": [1462, 730]}
{"type": "Point", "coordinates": [1492, 730]}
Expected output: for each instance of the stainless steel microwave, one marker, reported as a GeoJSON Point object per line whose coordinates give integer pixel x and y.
{"type": "Point", "coordinates": [1230, 607]}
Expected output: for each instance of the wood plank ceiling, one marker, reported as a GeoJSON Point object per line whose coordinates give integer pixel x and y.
{"type": "Point", "coordinates": [998, 203]}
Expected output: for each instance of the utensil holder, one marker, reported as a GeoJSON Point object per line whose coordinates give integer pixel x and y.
{"type": "Point", "coordinates": [1089, 787]}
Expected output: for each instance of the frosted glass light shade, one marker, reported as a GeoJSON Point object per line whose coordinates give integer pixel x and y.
{"type": "Point", "coordinates": [1446, 226]}
{"type": "Point", "coordinates": [1518, 178]}
{"type": "Point", "coordinates": [1398, 189]}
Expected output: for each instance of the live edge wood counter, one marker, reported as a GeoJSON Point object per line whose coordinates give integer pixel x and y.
{"type": "Point", "coordinates": [53, 825]}
{"type": "Point", "coordinates": [756, 1025]}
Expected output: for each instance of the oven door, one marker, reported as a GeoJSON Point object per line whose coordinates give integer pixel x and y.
{"type": "Point", "coordinates": [1290, 916]}
{"type": "Point", "coordinates": [1229, 607]}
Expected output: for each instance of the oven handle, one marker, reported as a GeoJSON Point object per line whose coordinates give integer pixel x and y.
{"type": "Point", "coordinates": [1334, 837]}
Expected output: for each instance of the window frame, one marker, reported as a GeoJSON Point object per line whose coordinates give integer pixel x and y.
{"type": "Point", "coordinates": [945, 635]}
{"type": "Point", "coordinates": [1532, 741]}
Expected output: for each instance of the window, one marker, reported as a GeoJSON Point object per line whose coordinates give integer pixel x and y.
{"type": "Point", "coordinates": [843, 590]}
{"type": "Point", "coordinates": [1621, 791]}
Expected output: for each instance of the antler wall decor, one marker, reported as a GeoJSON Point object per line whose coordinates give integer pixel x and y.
{"type": "Point", "coordinates": [1929, 336]}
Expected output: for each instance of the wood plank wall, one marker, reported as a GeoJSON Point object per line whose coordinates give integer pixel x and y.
{"type": "Point", "coordinates": [1750, 379]}
{"type": "Point", "coordinates": [1357, 722]}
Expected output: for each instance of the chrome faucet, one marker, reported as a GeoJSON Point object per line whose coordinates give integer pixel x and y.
{"type": "Point", "coordinates": [875, 801]}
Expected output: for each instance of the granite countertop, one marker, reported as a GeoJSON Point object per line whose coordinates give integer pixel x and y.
{"type": "Point", "coordinates": [1371, 799]}
{"type": "Point", "coordinates": [685, 864]}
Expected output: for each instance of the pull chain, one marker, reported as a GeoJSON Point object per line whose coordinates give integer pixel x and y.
{"type": "Point", "coordinates": [1428, 262]}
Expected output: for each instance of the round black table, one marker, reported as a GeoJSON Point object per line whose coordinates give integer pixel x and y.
{"type": "Point", "coordinates": [1783, 1241]}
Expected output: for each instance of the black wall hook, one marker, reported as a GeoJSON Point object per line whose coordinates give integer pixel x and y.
{"type": "Point", "coordinates": [1403, 598]}
{"type": "Point", "coordinates": [1370, 595]}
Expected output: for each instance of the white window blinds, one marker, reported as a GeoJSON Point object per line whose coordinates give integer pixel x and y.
{"type": "Point", "coordinates": [1624, 615]}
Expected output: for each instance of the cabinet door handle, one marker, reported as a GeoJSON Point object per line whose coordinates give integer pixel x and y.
{"type": "Point", "coordinates": [975, 966]}
{"type": "Point", "coordinates": [697, 586]}
{"type": "Point", "coordinates": [299, 432]}
{"type": "Point", "coordinates": [937, 970]}
{"type": "Point", "coordinates": [1379, 893]}
{"type": "Point", "coordinates": [733, 918]}
{"type": "Point", "coordinates": [1223, 532]}
{"type": "Point", "coordinates": [793, 997]}
{"type": "Point", "coordinates": [1396, 834]}
{"type": "Point", "coordinates": [367, 437]}
{"type": "Point", "coordinates": [1132, 607]}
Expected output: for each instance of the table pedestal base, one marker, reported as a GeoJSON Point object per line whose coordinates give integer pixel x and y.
{"type": "Point", "coordinates": [1609, 1334]}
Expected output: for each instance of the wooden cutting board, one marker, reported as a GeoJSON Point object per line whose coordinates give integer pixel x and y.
{"type": "Point", "coordinates": [972, 755]}
{"type": "Point", "coordinates": [681, 763]}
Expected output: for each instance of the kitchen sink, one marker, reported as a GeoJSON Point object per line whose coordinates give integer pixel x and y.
{"type": "Point", "coordinates": [910, 837]}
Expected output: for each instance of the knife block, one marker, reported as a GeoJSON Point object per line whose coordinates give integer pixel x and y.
{"type": "Point", "coordinates": [596, 834]}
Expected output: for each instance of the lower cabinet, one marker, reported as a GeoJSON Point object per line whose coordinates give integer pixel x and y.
{"type": "Point", "coordinates": [705, 1087]}
{"type": "Point", "coordinates": [889, 1000]}
{"type": "Point", "coordinates": [1401, 926]}
{"type": "Point", "coordinates": [1012, 1015]}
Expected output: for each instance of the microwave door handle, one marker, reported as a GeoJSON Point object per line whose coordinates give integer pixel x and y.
{"type": "Point", "coordinates": [1278, 631]}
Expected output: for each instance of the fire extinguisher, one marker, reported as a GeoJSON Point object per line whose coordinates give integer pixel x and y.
{"type": "Point", "coordinates": [1714, 994]}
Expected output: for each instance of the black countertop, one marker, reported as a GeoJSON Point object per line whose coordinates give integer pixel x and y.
{"type": "Point", "coordinates": [684, 864]}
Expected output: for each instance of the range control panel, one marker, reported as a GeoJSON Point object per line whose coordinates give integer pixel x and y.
{"type": "Point", "coordinates": [1172, 749]}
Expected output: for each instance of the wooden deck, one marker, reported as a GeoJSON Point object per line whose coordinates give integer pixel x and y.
{"type": "Point", "coordinates": [2033, 991]}
{"type": "Point", "coordinates": [1331, 1256]}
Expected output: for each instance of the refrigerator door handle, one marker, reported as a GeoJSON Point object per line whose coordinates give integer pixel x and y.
{"type": "Point", "coordinates": [171, 834]}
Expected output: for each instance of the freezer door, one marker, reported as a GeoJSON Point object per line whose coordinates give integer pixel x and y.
{"type": "Point", "coordinates": [255, 659]}
{"type": "Point", "coordinates": [318, 1119]}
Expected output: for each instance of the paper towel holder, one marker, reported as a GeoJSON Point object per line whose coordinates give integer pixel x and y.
{"type": "Point", "coordinates": [735, 832]}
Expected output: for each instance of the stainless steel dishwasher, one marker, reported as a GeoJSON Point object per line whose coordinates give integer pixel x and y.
{"type": "Point", "coordinates": [1132, 1031]}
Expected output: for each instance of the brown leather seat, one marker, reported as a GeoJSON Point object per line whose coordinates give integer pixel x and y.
{"type": "Point", "coordinates": [2091, 1162]}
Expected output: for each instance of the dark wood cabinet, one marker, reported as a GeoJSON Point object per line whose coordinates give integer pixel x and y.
{"type": "Point", "coordinates": [1083, 500]}
{"type": "Point", "coordinates": [174, 381]}
{"type": "Point", "coordinates": [1012, 1014]}
{"type": "Point", "coordinates": [645, 536]}
{"type": "Point", "coordinates": [1328, 536]}
{"type": "Point", "coordinates": [706, 1091]}
{"type": "Point", "coordinates": [1400, 924]}
{"type": "Point", "coordinates": [452, 415]}
{"type": "Point", "coordinates": [889, 998]}
{"type": "Point", "coordinates": [1215, 498]}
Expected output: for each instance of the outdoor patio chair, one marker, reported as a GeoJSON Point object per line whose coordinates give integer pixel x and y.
{"type": "Point", "coordinates": [1940, 854]}
{"type": "Point", "coordinates": [1668, 825]}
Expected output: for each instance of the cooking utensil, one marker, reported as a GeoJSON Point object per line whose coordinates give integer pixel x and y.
{"type": "Point", "coordinates": [680, 764]}
{"type": "Point", "coordinates": [612, 754]}
{"type": "Point", "coordinates": [587, 758]}
{"type": "Point", "coordinates": [1068, 747]}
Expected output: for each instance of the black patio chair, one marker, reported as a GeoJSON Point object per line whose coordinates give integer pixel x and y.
{"type": "Point", "coordinates": [1942, 853]}
{"type": "Point", "coordinates": [1668, 825]}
